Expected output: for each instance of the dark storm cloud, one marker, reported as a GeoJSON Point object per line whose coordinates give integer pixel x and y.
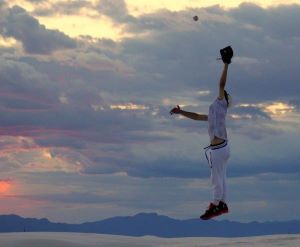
{"type": "Point", "coordinates": [35, 38]}
{"type": "Point", "coordinates": [24, 87]}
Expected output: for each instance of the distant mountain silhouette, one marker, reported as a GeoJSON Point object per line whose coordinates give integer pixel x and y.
{"type": "Point", "coordinates": [152, 224]}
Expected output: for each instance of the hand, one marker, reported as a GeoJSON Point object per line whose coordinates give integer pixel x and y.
{"type": "Point", "coordinates": [175, 110]}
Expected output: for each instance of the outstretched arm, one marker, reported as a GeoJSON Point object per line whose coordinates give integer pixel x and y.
{"type": "Point", "coordinates": [194, 116]}
{"type": "Point", "coordinates": [191, 115]}
{"type": "Point", "coordinates": [223, 81]}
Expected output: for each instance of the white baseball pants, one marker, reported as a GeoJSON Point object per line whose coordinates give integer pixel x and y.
{"type": "Point", "coordinates": [217, 157]}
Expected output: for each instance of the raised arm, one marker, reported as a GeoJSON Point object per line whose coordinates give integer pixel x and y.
{"type": "Point", "coordinates": [191, 115]}
{"type": "Point", "coordinates": [223, 79]}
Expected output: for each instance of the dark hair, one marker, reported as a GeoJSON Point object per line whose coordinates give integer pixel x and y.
{"type": "Point", "coordinates": [226, 97]}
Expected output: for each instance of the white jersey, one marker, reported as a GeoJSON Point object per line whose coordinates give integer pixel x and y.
{"type": "Point", "coordinates": [216, 119]}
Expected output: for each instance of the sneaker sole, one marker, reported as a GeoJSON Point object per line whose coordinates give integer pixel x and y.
{"type": "Point", "coordinates": [215, 215]}
{"type": "Point", "coordinates": [224, 211]}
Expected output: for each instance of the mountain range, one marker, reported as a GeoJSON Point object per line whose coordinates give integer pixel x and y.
{"type": "Point", "coordinates": [152, 224]}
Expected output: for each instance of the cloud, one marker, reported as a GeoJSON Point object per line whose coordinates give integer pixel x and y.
{"type": "Point", "coordinates": [273, 21]}
{"type": "Point", "coordinates": [87, 130]}
{"type": "Point", "coordinates": [36, 38]}
{"type": "Point", "coordinates": [171, 167]}
{"type": "Point", "coordinates": [249, 112]}
{"type": "Point", "coordinates": [174, 53]}
{"type": "Point", "coordinates": [61, 8]}
{"type": "Point", "coordinates": [115, 9]}
{"type": "Point", "coordinates": [72, 198]}
{"type": "Point", "coordinates": [20, 77]}
{"type": "Point", "coordinates": [107, 102]}
{"type": "Point", "coordinates": [110, 195]}
{"type": "Point", "coordinates": [36, 1]}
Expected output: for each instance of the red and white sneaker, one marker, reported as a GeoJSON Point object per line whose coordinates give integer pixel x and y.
{"type": "Point", "coordinates": [223, 208]}
{"type": "Point", "coordinates": [215, 210]}
{"type": "Point", "coordinates": [211, 212]}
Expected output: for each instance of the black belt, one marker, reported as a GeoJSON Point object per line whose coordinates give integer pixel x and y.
{"type": "Point", "coordinates": [214, 147]}
{"type": "Point", "coordinates": [217, 146]}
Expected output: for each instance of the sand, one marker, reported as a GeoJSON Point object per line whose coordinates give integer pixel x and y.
{"type": "Point", "coordinates": [93, 240]}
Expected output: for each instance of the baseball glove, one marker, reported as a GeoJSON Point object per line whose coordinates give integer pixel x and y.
{"type": "Point", "coordinates": [226, 54]}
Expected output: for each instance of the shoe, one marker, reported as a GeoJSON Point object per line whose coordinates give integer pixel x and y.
{"type": "Point", "coordinates": [211, 212]}
{"type": "Point", "coordinates": [223, 208]}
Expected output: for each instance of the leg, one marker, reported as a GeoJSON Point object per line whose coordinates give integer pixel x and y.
{"type": "Point", "coordinates": [218, 159]}
{"type": "Point", "coordinates": [224, 198]}
{"type": "Point", "coordinates": [217, 182]}
{"type": "Point", "coordinates": [217, 177]}
{"type": "Point", "coordinates": [226, 157]}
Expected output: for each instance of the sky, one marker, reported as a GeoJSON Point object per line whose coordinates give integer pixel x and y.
{"type": "Point", "coordinates": [85, 93]}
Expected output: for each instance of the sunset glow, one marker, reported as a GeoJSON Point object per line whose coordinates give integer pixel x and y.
{"type": "Point", "coordinates": [279, 108]}
{"type": "Point", "coordinates": [128, 106]}
{"type": "Point", "coordinates": [5, 186]}
{"type": "Point", "coordinates": [274, 108]}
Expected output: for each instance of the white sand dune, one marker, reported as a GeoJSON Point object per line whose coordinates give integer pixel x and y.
{"type": "Point", "coordinates": [97, 240]}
